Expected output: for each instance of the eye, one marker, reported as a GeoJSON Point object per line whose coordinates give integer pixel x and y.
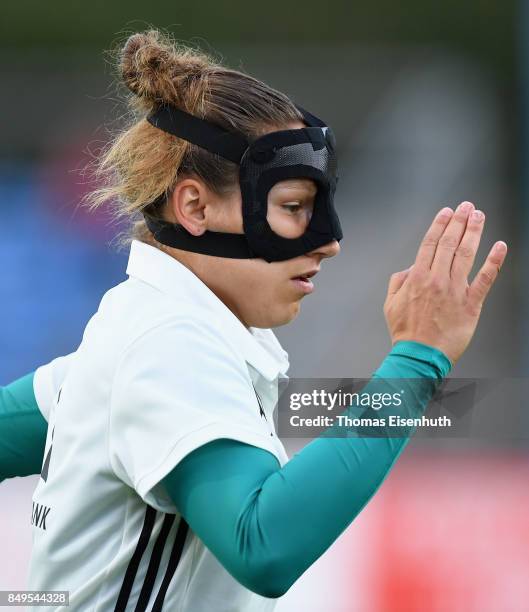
{"type": "Point", "coordinates": [292, 207]}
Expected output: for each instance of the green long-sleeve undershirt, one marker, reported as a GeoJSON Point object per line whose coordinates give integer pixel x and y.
{"type": "Point", "coordinates": [22, 430]}
{"type": "Point", "coordinates": [267, 524]}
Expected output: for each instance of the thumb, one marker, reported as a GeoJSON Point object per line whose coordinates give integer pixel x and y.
{"type": "Point", "coordinates": [397, 280]}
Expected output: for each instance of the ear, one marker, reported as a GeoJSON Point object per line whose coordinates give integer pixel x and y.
{"type": "Point", "coordinates": [188, 204]}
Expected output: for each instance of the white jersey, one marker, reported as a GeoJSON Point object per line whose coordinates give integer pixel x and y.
{"type": "Point", "coordinates": [163, 368]}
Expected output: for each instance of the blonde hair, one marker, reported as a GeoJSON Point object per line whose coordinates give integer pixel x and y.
{"type": "Point", "coordinates": [141, 164]}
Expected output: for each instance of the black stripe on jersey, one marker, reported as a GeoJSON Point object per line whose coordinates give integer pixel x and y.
{"type": "Point", "coordinates": [132, 569]}
{"type": "Point", "coordinates": [261, 411]}
{"type": "Point", "coordinates": [154, 564]}
{"type": "Point", "coordinates": [176, 553]}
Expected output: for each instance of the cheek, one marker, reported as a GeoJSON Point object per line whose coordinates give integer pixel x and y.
{"type": "Point", "coordinates": [226, 215]}
{"type": "Point", "coordinates": [286, 225]}
{"type": "Point", "coordinates": [257, 282]}
{"type": "Point", "coordinates": [267, 297]}
{"type": "Point", "coordinates": [264, 284]}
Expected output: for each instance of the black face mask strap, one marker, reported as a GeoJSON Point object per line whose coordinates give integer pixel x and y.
{"type": "Point", "coordinates": [209, 136]}
{"type": "Point", "coordinates": [204, 134]}
{"type": "Point", "coordinates": [214, 139]}
{"type": "Point", "coordinates": [218, 244]}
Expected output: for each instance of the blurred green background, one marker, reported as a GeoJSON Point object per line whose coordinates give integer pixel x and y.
{"type": "Point", "coordinates": [482, 29]}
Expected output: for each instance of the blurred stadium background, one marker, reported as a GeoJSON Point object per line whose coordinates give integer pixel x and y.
{"type": "Point", "coordinates": [429, 103]}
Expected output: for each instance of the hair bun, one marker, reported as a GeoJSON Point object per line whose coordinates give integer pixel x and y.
{"type": "Point", "coordinates": [155, 69]}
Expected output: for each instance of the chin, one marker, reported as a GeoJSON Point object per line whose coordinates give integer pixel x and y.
{"type": "Point", "coordinates": [287, 315]}
{"type": "Point", "coordinates": [274, 317]}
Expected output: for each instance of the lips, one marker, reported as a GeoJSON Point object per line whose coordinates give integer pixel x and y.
{"type": "Point", "coordinates": [306, 275]}
{"type": "Point", "coordinates": [303, 282]}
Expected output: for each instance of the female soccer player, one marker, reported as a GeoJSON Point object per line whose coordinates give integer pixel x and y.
{"type": "Point", "coordinates": [163, 484]}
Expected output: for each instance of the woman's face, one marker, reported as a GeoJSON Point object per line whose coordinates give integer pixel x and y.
{"type": "Point", "coordinates": [259, 293]}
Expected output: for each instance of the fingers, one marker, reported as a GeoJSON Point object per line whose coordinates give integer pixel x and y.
{"type": "Point", "coordinates": [485, 278]}
{"type": "Point", "coordinates": [426, 252]}
{"type": "Point", "coordinates": [449, 241]}
{"type": "Point", "coordinates": [397, 280]}
{"type": "Point", "coordinates": [465, 253]}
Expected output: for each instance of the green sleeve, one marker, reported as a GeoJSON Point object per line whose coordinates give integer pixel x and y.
{"type": "Point", "coordinates": [22, 430]}
{"type": "Point", "coordinates": [267, 524]}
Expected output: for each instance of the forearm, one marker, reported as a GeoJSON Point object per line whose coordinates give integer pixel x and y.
{"type": "Point", "coordinates": [304, 507]}
{"type": "Point", "coordinates": [22, 430]}
{"type": "Point", "coordinates": [268, 524]}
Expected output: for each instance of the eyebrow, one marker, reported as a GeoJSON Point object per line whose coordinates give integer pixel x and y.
{"type": "Point", "coordinates": [309, 189]}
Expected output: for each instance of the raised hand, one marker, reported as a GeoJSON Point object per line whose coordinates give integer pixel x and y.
{"type": "Point", "coordinates": [432, 301]}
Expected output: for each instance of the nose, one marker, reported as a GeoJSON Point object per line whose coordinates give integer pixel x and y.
{"type": "Point", "coordinates": [327, 250]}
